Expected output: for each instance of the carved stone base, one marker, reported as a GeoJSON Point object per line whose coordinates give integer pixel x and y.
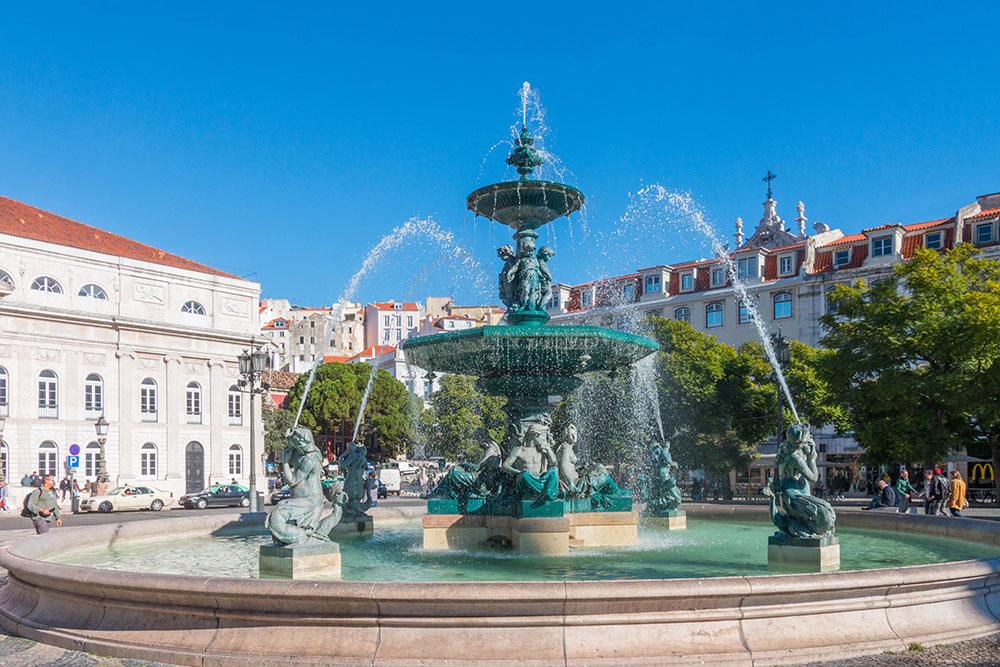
{"type": "Point", "coordinates": [320, 561]}
{"type": "Point", "coordinates": [819, 554]}
{"type": "Point", "coordinates": [540, 536]}
{"type": "Point", "coordinates": [669, 519]}
{"type": "Point", "coordinates": [363, 525]}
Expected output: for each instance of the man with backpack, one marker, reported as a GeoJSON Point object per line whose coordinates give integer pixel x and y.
{"type": "Point", "coordinates": [41, 505]}
{"type": "Point", "coordinates": [942, 489]}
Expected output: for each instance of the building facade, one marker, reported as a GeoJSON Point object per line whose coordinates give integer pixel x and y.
{"type": "Point", "coordinates": [92, 324]}
{"type": "Point", "coordinates": [296, 335]}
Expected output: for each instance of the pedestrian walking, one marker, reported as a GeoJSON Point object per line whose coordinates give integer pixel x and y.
{"type": "Point", "coordinates": [956, 499]}
{"type": "Point", "coordinates": [905, 489]}
{"type": "Point", "coordinates": [943, 491]}
{"type": "Point", "coordinates": [42, 505]}
{"type": "Point", "coordinates": [64, 486]}
{"type": "Point", "coordinates": [931, 499]}
{"type": "Point", "coordinates": [3, 497]}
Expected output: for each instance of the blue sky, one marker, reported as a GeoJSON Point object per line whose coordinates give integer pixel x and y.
{"type": "Point", "coordinates": [282, 142]}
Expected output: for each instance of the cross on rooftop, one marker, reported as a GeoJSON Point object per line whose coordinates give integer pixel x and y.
{"type": "Point", "coordinates": [770, 177]}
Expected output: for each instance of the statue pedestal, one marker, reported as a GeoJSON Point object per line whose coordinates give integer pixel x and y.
{"type": "Point", "coordinates": [311, 561]}
{"type": "Point", "coordinates": [668, 519]}
{"type": "Point", "coordinates": [354, 526]}
{"type": "Point", "coordinates": [809, 554]}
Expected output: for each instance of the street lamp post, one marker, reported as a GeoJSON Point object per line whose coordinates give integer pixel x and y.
{"type": "Point", "coordinates": [102, 426]}
{"type": "Point", "coordinates": [3, 473]}
{"type": "Point", "coordinates": [783, 350]}
{"type": "Point", "coordinates": [252, 367]}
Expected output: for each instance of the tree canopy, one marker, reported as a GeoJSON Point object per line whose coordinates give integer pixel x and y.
{"type": "Point", "coordinates": [335, 397]}
{"type": "Point", "coordinates": [915, 356]}
{"type": "Point", "coordinates": [456, 413]}
{"type": "Point", "coordinates": [276, 425]}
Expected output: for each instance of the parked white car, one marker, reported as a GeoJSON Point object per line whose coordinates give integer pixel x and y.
{"type": "Point", "coordinates": [391, 479]}
{"type": "Point", "coordinates": [404, 467]}
{"type": "Point", "coordinates": [128, 498]}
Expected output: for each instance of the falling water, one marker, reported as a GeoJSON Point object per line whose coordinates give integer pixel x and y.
{"type": "Point", "coordinates": [364, 402]}
{"type": "Point", "coordinates": [452, 257]}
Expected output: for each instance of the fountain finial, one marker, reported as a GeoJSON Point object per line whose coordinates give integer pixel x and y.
{"type": "Point", "coordinates": [524, 157]}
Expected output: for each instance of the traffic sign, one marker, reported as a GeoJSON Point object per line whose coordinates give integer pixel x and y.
{"type": "Point", "coordinates": [74, 450]}
{"type": "Point", "coordinates": [73, 461]}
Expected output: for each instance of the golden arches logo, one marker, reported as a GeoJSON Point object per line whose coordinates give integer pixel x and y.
{"type": "Point", "coordinates": [982, 469]}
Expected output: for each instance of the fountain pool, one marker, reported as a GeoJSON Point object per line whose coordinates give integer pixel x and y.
{"type": "Point", "coordinates": [394, 553]}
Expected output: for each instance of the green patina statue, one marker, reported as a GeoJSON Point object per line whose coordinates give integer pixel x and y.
{"type": "Point", "coordinates": [358, 485]}
{"type": "Point", "coordinates": [296, 520]}
{"type": "Point", "coordinates": [795, 512]}
{"type": "Point", "coordinates": [660, 489]}
{"type": "Point", "coordinates": [568, 475]}
{"type": "Point", "coordinates": [533, 464]}
{"type": "Point", "coordinates": [473, 480]}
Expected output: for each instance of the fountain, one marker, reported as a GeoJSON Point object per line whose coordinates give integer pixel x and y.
{"type": "Point", "coordinates": [522, 494]}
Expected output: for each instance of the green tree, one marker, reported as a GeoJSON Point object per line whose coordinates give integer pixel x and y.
{"type": "Point", "coordinates": [456, 412]}
{"type": "Point", "coordinates": [276, 425]}
{"type": "Point", "coordinates": [915, 356]}
{"type": "Point", "coordinates": [335, 398]}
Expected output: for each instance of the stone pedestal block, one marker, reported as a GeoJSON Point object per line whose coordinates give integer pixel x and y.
{"type": "Point", "coordinates": [319, 561]}
{"type": "Point", "coordinates": [819, 554]}
{"type": "Point", "coordinates": [604, 529]}
{"type": "Point", "coordinates": [541, 536]}
{"type": "Point", "coordinates": [455, 531]}
{"type": "Point", "coordinates": [364, 526]}
{"type": "Point", "coordinates": [671, 520]}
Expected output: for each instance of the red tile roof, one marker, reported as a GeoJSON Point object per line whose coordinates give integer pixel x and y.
{"type": "Point", "coordinates": [373, 351]}
{"type": "Point", "coordinates": [850, 238]}
{"type": "Point", "coordinates": [391, 306]}
{"type": "Point", "coordinates": [988, 213]}
{"type": "Point", "coordinates": [338, 358]}
{"type": "Point", "coordinates": [22, 220]}
{"type": "Point", "coordinates": [927, 225]}
{"type": "Point", "coordinates": [281, 380]}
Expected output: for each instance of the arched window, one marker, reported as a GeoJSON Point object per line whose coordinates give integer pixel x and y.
{"type": "Point", "coordinates": [713, 315]}
{"type": "Point", "coordinates": [91, 456]}
{"type": "Point", "coordinates": [5, 278]}
{"type": "Point", "coordinates": [48, 402]}
{"type": "Point", "coordinates": [193, 403]}
{"type": "Point", "coordinates": [46, 284]}
{"type": "Point", "coordinates": [147, 400]}
{"type": "Point", "coordinates": [782, 306]}
{"type": "Point", "coordinates": [193, 307]}
{"type": "Point", "coordinates": [4, 459]}
{"type": "Point", "coordinates": [4, 404]}
{"type": "Point", "coordinates": [683, 314]}
{"type": "Point", "coordinates": [235, 406]}
{"type": "Point", "coordinates": [147, 460]}
{"type": "Point", "coordinates": [236, 461]}
{"type": "Point", "coordinates": [94, 292]}
{"type": "Point", "coordinates": [93, 396]}
{"type": "Point", "coordinates": [48, 454]}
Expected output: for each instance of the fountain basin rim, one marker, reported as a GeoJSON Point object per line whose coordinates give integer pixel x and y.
{"type": "Point", "coordinates": [755, 619]}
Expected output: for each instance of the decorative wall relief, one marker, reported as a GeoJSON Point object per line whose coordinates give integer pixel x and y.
{"type": "Point", "coordinates": [148, 293]}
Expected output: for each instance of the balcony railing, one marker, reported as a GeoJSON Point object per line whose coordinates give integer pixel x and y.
{"type": "Point", "coordinates": [236, 420]}
{"type": "Point", "coordinates": [92, 413]}
{"type": "Point", "coordinates": [148, 416]}
{"type": "Point", "coordinates": [51, 412]}
{"type": "Point", "coordinates": [193, 418]}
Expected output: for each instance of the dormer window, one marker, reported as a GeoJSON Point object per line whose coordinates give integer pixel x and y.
{"type": "Point", "coordinates": [397, 306]}
{"type": "Point", "coordinates": [652, 284]}
{"type": "Point", "coordinates": [882, 246]}
{"type": "Point", "coordinates": [785, 265]}
{"type": "Point", "coordinates": [932, 241]}
{"type": "Point", "coordinates": [587, 299]}
{"type": "Point", "coordinates": [747, 267]}
{"type": "Point", "coordinates": [628, 293]}
{"type": "Point", "coordinates": [984, 233]}
{"type": "Point", "coordinates": [718, 277]}
{"type": "Point", "coordinates": [687, 282]}
{"type": "Point", "coordinates": [841, 258]}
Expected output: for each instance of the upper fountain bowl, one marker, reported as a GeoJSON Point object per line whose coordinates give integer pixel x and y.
{"type": "Point", "coordinates": [525, 204]}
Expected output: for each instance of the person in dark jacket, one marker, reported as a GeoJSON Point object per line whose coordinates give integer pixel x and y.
{"type": "Point", "coordinates": [887, 496]}
{"type": "Point", "coordinates": [943, 490]}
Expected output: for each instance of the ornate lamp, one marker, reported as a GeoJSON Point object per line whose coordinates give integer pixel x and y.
{"type": "Point", "coordinates": [102, 426]}
{"type": "Point", "coordinates": [252, 367]}
{"type": "Point", "coordinates": [3, 420]}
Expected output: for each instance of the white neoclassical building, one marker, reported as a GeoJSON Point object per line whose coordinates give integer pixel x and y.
{"type": "Point", "coordinates": [93, 323]}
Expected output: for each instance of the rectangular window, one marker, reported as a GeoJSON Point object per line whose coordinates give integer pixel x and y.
{"type": "Point", "coordinates": [932, 241]}
{"type": "Point", "coordinates": [713, 315]}
{"type": "Point", "coordinates": [841, 258]}
{"type": "Point", "coordinates": [235, 464]}
{"type": "Point", "coordinates": [47, 462]}
{"type": "Point", "coordinates": [627, 292]}
{"type": "Point", "coordinates": [718, 276]}
{"type": "Point", "coordinates": [92, 397]}
{"type": "Point", "coordinates": [147, 464]}
{"type": "Point", "coordinates": [784, 265]}
{"type": "Point", "coordinates": [399, 335]}
{"type": "Point", "coordinates": [882, 246]}
{"type": "Point", "coordinates": [744, 313]}
{"type": "Point", "coordinates": [302, 340]}
{"type": "Point", "coordinates": [747, 267]}
{"type": "Point", "coordinates": [387, 321]}
{"type": "Point", "coordinates": [984, 233]}
{"type": "Point", "coordinates": [686, 281]}
{"type": "Point", "coordinates": [235, 405]}
{"type": "Point", "coordinates": [90, 463]}
{"type": "Point", "coordinates": [652, 284]}
{"type": "Point", "coordinates": [554, 301]}
{"type": "Point", "coordinates": [399, 320]}
{"type": "Point", "coordinates": [587, 299]}
{"type": "Point", "coordinates": [409, 321]}
{"type": "Point", "coordinates": [3, 392]}
{"type": "Point", "coordinates": [194, 402]}
{"type": "Point", "coordinates": [312, 340]}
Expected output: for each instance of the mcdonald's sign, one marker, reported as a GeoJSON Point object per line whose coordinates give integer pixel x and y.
{"type": "Point", "coordinates": [980, 470]}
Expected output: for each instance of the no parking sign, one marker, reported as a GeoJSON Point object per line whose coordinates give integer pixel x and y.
{"type": "Point", "coordinates": [74, 450]}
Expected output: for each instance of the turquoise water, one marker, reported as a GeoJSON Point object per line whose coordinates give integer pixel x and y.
{"type": "Point", "coordinates": [394, 553]}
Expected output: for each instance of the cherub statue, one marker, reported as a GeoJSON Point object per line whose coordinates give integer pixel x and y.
{"type": "Point", "coordinates": [507, 275]}
{"type": "Point", "coordinates": [567, 461]}
{"type": "Point", "coordinates": [296, 520]}
{"type": "Point", "coordinates": [528, 275]}
{"type": "Point", "coordinates": [545, 253]}
{"type": "Point", "coordinates": [794, 511]}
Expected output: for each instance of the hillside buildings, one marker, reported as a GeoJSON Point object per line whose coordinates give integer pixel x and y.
{"type": "Point", "coordinates": [92, 324]}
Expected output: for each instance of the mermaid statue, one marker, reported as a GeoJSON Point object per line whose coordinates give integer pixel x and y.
{"type": "Point", "coordinates": [795, 512]}
{"type": "Point", "coordinates": [296, 520]}
{"type": "Point", "coordinates": [660, 489]}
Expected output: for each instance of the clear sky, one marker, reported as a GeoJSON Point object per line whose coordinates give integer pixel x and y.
{"type": "Point", "coordinates": [282, 142]}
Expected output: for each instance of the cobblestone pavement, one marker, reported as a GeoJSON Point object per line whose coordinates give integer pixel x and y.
{"type": "Point", "coordinates": [982, 652]}
{"type": "Point", "coordinates": [18, 652]}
